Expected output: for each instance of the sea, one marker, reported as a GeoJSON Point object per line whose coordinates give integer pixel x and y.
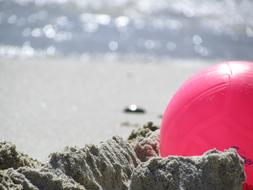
{"type": "Point", "coordinates": [186, 29]}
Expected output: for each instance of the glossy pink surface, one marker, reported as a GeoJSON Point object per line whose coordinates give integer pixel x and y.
{"type": "Point", "coordinates": [213, 109]}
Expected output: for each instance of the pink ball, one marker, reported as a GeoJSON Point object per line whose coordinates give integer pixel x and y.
{"type": "Point", "coordinates": [213, 109]}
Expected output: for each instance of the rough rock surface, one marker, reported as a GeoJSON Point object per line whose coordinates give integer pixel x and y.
{"type": "Point", "coordinates": [146, 141]}
{"type": "Point", "coordinates": [36, 179]}
{"type": "Point", "coordinates": [214, 170]}
{"type": "Point", "coordinates": [11, 158]}
{"type": "Point", "coordinates": [143, 132]}
{"type": "Point", "coordinates": [113, 165]}
{"type": "Point", "coordinates": [107, 166]}
{"type": "Point", "coordinates": [11, 179]}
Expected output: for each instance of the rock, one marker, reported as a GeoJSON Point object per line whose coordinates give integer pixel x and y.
{"type": "Point", "coordinates": [214, 170]}
{"type": "Point", "coordinates": [36, 179]}
{"type": "Point", "coordinates": [134, 109]}
{"type": "Point", "coordinates": [139, 134]}
{"type": "Point", "coordinates": [11, 179]}
{"type": "Point", "coordinates": [18, 171]}
{"type": "Point", "coordinates": [148, 147]}
{"type": "Point", "coordinates": [146, 141]}
{"type": "Point", "coordinates": [47, 179]}
{"type": "Point", "coordinates": [11, 158]}
{"type": "Point", "coordinates": [107, 166]}
{"type": "Point", "coordinates": [113, 165]}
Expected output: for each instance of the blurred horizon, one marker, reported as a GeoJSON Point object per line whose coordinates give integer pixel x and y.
{"type": "Point", "coordinates": [190, 29]}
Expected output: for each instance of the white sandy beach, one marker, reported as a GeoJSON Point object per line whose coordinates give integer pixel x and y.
{"type": "Point", "coordinates": [46, 104]}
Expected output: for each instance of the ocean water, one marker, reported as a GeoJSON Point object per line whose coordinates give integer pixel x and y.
{"type": "Point", "coordinates": [217, 29]}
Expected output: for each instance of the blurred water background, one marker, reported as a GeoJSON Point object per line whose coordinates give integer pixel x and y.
{"type": "Point", "coordinates": [217, 29]}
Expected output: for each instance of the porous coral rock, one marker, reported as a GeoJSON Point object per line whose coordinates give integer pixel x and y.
{"type": "Point", "coordinates": [214, 170]}
{"type": "Point", "coordinates": [113, 165]}
{"type": "Point", "coordinates": [25, 178]}
{"type": "Point", "coordinates": [107, 166]}
{"type": "Point", "coordinates": [146, 141]}
{"type": "Point", "coordinates": [11, 158]}
{"type": "Point", "coordinates": [11, 179]}
{"type": "Point", "coordinates": [142, 132]}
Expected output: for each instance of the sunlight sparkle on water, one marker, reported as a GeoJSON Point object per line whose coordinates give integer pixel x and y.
{"type": "Point", "coordinates": [49, 31]}
{"type": "Point", "coordinates": [122, 21]}
{"type": "Point", "coordinates": [113, 45]}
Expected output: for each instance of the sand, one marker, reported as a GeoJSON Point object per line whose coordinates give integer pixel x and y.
{"type": "Point", "coordinates": [49, 103]}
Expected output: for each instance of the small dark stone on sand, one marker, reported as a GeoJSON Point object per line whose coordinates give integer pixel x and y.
{"type": "Point", "coordinates": [133, 108]}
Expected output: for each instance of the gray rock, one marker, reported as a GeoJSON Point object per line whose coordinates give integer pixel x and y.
{"type": "Point", "coordinates": [143, 132]}
{"type": "Point", "coordinates": [112, 166]}
{"type": "Point", "coordinates": [213, 171]}
{"type": "Point", "coordinates": [18, 171]}
{"type": "Point", "coordinates": [146, 141]}
{"type": "Point", "coordinates": [11, 179]}
{"type": "Point", "coordinates": [26, 178]}
{"type": "Point", "coordinates": [107, 166]}
{"type": "Point", "coordinates": [11, 158]}
{"type": "Point", "coordinates": [46, 179]}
